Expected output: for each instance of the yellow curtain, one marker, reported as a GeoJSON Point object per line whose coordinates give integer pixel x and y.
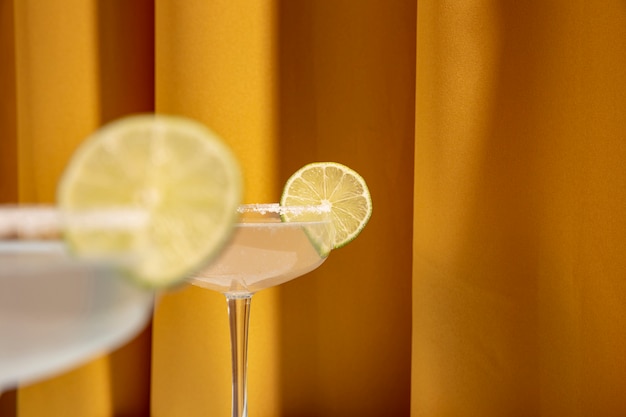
{"type": "Point", "coordinates": [519, 290]}
{"type": "Point", "coordinates": [490, 280]}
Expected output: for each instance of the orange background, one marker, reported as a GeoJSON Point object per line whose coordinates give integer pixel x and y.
{"type": "Point", "coordinates": [490, 280]}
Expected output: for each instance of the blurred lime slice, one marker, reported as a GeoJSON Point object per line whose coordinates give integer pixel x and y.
{"type": "Point", "coordinates": [175, 181]}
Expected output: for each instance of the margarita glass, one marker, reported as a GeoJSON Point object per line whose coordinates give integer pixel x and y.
{"type": "Point", "coordinates": [271, 244]}
{"type": "Point", "coordinates": [143, 201]}
{"type": "Point", "coordinates": [58, 311]}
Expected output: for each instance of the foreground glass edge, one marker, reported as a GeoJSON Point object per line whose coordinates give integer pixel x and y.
{"type": "Point", "coordinates": [50, 326]}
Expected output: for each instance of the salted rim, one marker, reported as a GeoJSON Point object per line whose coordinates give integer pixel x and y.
{"type": "Point", "coordinates": [33, 220]}
{"type": "Point", "coordinates": [281, 210]}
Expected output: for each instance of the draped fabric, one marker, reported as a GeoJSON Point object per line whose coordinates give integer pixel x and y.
{"type": "Point", "coordinates": [519, 291]}
{"type": "Point", "coordinates": [490, 279]}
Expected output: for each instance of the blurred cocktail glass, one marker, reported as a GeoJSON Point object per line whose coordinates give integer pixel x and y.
{"type": "Point", "coordinates": [58, 311]}
{"type": "Point", "coordinates": [143, 201]}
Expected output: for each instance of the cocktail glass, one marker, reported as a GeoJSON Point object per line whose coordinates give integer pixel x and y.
{"type": "Point", "coordinates": [270, 245]}
{"type": "Point", "coordinates": [58, 311]}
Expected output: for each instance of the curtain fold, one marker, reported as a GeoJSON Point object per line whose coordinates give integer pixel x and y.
{"type": "Point", "coordinates": [215, 63]}
{"type": "Point", "coordinates": [490, 280]}
{"type": "Point", "coordinates": [520, 186]}
{"type": "Point", "coordinates": [72, 65]}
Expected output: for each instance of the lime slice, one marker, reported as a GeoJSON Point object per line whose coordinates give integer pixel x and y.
{"type": "Point", "coordinates": [173, 173]}
{"type": "Point", "coordinates": [336, 185]}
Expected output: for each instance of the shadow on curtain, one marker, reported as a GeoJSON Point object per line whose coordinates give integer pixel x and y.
{"type": "Point", "coordinates": [346, 94]}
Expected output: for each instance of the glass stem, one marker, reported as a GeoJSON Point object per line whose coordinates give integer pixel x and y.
{"type": "Point", "coordinates": [239, 317]}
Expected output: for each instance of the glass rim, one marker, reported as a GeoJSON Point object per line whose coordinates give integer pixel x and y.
{"type": "Point", "coordinates": [276, 208]}
{"type": "Point", "coordinates": [48, 221]}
